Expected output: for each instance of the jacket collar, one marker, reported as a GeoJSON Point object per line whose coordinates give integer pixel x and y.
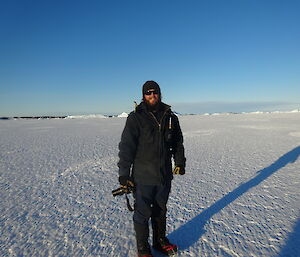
{"type": "Point", "coordinates": [142, 107]}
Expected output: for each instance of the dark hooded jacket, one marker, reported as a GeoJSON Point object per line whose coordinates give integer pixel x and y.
{"type": "Point", "coordinates": [148, 143]}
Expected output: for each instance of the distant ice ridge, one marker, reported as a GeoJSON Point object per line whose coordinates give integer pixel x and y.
{"type": "Point", "coordinates": [125, 115]}
{"type": "Point", "coordinates": [260, 112]}
{"type": "Point", "coordinates": [90, 116]}
{"type": "Point", "coordinates": [256, 112]}
{"type": "Point", "coordinates": [96, 116]}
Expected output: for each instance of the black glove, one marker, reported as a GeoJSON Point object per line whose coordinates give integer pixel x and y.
{"type": "Point", "coordinates": [126, 181]}
{"type": "Point", "coordinates": [179, 170]}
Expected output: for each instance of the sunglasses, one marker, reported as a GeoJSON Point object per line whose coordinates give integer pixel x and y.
{"type": "Point", "coordinates": [155, 92]}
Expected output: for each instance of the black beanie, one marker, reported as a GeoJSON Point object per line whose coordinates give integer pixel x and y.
{"type": "Point", "coordinates": [150, 84]}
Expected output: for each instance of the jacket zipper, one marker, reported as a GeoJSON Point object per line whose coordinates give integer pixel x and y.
{"type": "Point", "coordinates": [159, 143]}
{"type": "Point", "coordinates": [159, 123]}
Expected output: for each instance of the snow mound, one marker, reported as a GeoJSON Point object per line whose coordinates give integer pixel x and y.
{"type": "Point", "coordinates": [123, 115]}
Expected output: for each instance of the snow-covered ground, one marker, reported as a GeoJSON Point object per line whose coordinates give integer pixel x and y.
{"type": "Point", "coordinates": [240, 196]}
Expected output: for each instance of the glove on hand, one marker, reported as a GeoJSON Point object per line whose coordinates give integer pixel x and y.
{"type": "Point", "coordinates": [179, 170]}
{"type": "Point", "coordinates": [126, 181]}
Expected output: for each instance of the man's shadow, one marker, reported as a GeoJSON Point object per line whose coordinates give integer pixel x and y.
{"type": "Point", "coordinates": [291, 247]}
{"type": "Point", "coordinates": [189, 233]}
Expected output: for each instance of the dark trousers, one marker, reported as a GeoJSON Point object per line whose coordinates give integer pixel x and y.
{"type": "Point", "coordinates": [150, 202]}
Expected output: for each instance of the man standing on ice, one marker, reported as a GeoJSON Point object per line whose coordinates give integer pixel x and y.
{"type": "Point", "coordinates": [151, 137]}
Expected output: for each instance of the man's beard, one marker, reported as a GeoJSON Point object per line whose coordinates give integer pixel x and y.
{"type": "Point", "coordinates": [153, 107]}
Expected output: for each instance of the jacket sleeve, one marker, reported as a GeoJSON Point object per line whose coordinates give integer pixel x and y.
{"type": "Point", "coordinates": [128, 145]}
{"type": "Point", "coordinates": [178, 148]}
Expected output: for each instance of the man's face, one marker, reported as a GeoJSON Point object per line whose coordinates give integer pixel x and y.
{"type": "Point", "coordinates": [152, 97]}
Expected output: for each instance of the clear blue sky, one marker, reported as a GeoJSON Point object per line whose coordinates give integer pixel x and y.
{"type": "Point", "coordinates": [77, 57]}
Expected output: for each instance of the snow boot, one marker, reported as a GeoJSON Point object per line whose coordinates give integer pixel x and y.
{"type": "Point", "coordinates": [142, 234]}
{"type": "Point", "coordinates": [164, 246]}
{"type": "Point", "coordinates": [160, 241]}
{"type": "Point", "coordinates": [145, 255]}
{"type": "Point", "coordinates": [144, 251]}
